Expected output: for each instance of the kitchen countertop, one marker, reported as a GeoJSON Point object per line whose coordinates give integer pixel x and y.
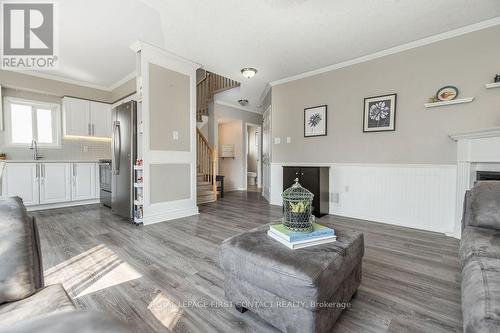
{"type": "Point", "coordinates": [50, 161]}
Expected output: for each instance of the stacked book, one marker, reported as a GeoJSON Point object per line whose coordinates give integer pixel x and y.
{"type": "Point", "coordinates": [298, 240]}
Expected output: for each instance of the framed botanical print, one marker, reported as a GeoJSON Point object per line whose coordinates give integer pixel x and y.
{"type": "Point", "coordinates": [315, 121]}
{"type": "Point", "coordinates": [380, 113]}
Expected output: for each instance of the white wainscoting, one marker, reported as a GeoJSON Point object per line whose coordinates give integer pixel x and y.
{"type": "Point", "coordinates": [419, 196]}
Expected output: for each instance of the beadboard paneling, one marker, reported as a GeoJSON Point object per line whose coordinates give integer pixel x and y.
{"type": "Point", "coordinates": [417, 196]}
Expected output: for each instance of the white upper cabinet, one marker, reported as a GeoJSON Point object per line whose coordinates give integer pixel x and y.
{"type": "Point", "coordinates": [76, 116]}
{"type": "Point", "coordinates": [86, 118]}
{"type": "Point", "coordinates": [100, 115]}
{"type": "Point", "coordinates": [21, 179]}
{"type": "Point", "coordinates": [84, 181]}
{"type": "Point", "coordinates": [55, 182]}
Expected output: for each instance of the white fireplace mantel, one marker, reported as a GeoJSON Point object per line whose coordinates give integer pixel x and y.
{"type": "Point", "coordinates": [479, 146]}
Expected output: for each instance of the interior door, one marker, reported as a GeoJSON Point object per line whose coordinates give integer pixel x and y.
{"type": "Point", "coordinates": [266, 155]}
{"type": "Point", "coordinates": [76, 117]}
{"type": "Point", "coordinates": [22, 179]}
{"type": "Point", "coordinates": [100, 114]}
{"type": "Point", "coordinates": [55, 182]}
{"type": "Point", "coordinates": [84, 181]}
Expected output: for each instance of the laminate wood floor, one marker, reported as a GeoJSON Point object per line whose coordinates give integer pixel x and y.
{"type": "Point", "coordinates": [166, 277]}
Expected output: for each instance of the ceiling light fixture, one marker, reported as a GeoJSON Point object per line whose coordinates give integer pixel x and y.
{"type": "Point", "coordinates": [249, 72]}
{"type": "Point", "coordinates": [243, 102]}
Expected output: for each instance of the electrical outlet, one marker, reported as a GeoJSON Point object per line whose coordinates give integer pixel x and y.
{"type": "Point", "coordinates": [85, 149]}
{"type": "Point", "coordinates": [175, 135]}
{"type": "Point", "coordinates": [288, 139]}
{"type": "Point", "coordinates": [277, 141]}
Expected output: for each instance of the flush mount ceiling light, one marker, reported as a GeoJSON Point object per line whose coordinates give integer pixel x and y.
{"type": "Point", "coordinates": [248, 72]}
{"type": "Point", "coordinates": [243, 102]}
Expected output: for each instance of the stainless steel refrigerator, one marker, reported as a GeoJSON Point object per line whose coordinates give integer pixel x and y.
{"type": "Point", "coordinates": [124, 154]}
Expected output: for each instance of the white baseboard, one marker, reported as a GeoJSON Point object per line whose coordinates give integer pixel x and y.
{"type": "Point", "coordinates": [171, 215]}
{"type": "Point", "coordinates": [62, 205]}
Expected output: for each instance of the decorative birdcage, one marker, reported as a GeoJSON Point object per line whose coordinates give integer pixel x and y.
{"type": "Point", "coordinates": [297, 202]}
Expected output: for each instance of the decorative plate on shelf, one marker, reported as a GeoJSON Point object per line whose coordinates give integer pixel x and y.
{"type": "Point", "coordinates": [447, 93]}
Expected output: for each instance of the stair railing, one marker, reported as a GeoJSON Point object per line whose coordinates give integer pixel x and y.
{"type": "Point", "coordinates": [206, 161]}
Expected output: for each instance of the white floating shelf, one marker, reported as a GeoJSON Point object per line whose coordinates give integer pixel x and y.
{"type": "Point", "coordinates": [455, 101]}
{"type": "Point", "coordinates": [137, 167]}
{"type": "Point", "coordinates": [492, 85]}
{"type": "Point", "coordinates": [138, 185]}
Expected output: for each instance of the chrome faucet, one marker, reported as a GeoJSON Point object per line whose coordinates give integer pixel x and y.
{"type": "Point", "coordinates": [34, 147]}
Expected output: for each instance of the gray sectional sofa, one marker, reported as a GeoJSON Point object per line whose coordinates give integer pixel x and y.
{"type": "Point", "coordinates": [26, 304]}
{"type": "Point", "coordinates": [480, 258]}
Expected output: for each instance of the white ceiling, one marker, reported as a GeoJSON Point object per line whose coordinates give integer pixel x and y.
{"type": "Point", "coordinates": [280, 38]}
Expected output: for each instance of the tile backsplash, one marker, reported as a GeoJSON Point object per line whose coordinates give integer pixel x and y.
{"type": "Point", "coordinates": [71, 149]}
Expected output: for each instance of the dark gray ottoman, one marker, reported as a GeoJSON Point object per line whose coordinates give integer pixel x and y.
{"type": "Point", "coordinates": [301, 290]}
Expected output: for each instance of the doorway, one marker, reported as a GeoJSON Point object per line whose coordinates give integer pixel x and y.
{"type": "Point", "coordinates": [253, 160]}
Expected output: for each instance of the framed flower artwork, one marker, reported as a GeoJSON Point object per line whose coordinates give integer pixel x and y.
{"type": "Point", "coordinates": [315, 121]}
{"type": "Point", "coordinates": [380, 113]}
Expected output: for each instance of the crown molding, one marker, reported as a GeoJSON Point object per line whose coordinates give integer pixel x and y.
{"type": "Point", "coordinates": [393, 50]}
{"type": "Point", "coordinates": [125, 79]}
{"type": "Point", "coordinates": [63, 79]}
{"type": "Point", "coordinates": [239, 107]}
{"type": "Point", "coordinates": [264, 93]}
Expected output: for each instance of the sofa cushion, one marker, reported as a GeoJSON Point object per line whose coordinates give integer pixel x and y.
{"type": "Point", "coordinates": [20, 261]}
{"type": "Point", "coordinates": [305, 275]}
{"type": "Point", "coordinates": [485, 205]}
{"type": "Point", "coordinates": [481, 295]}
{"type": "Point", "coordinates": [74, 322]}
{"type": "Point", "coordinates": [49, 300]}
{"type": "Point", "coordinates": [479, 242]}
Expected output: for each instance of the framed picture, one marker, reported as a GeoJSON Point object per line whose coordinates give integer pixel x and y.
{"type": "Point", "coordinates": [315, 121]}
{"type": "Point", "coordinates": [380, 113]}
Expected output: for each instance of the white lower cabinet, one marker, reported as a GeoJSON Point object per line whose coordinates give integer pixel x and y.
{"type": "Point", "coordinates": [55, 182]}
{"type": "Point", "coordinates": [50, 183]}
{"type": "Point", "coordinates": [84, 181]}
{"type": "Point", "coordinates": [21, 179]}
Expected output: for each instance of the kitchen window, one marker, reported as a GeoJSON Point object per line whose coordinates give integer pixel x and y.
{"type": "Point", "coordinates": [26, 120]}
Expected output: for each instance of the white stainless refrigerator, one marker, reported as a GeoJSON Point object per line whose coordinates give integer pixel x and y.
{"type": "Point", "coordinates": [124, 154]}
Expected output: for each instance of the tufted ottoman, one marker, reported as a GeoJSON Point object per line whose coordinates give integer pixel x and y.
{"type": "Point", "coordinates": [302, 290]}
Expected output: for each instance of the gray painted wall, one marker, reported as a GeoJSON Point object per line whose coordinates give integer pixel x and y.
{"type": "Point", "coordinates": [171, 182]}
{"type": "Point", "coordinates": [123, 90]}
{"type": "Point", "coordinates": [169, 109]}
{"type": "Point", "coordinates": [421, 135]}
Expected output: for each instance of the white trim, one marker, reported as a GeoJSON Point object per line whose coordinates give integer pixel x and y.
{"type": "Point", "coordinates": [65, 80]}
{"type": "Point", "coordinates": [264, 93]}
{"type": "Point", "coordinates": [63, 205]}
{"type": "Point", "coordinates": [237, 107]}
{"type": "Point", "coordinates": [397, 49]}
{"type": "Point", "coordinates": [478, 134]}
{"type": "Point", "coordinates": [171, 215]}
{"type": "Point", "coordinates": [393, 165]}
{"type": "Point", "coordinates": [492, 85]}
{"type": "Point", "coordinates": [259, 154]}
{"type": "Point", "coordinates": [125, 79]}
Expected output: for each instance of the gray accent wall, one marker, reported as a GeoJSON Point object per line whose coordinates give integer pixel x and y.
{"type": "Point", "coordinates": [169, 109]}
{"type": "Point", "coordinates": [467, 62]}
{"type": "Point", "coordinates": [171, 182]}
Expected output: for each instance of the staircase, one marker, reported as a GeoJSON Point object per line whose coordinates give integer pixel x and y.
{"type": "Point", "coordinates": [208, 84]}
{"type": "Point", "coordinates": [206, 165]}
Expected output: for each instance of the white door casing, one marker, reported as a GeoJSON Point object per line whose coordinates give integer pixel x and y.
{"type": "Point", "coordinates": [266, 154]}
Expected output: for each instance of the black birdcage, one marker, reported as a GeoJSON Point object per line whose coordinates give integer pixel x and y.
{"type": "Point", "coordinates": [297, 202]}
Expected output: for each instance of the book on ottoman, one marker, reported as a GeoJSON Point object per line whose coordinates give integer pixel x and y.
{"type": "Point", "coordinates": [297, 240]}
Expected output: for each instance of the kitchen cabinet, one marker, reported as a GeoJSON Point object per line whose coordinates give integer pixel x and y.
{"type": "Point", "coordinates": [21, 179]}
{"type": "Point", "coordinates": [55, 182]}
{"type": "Point", "coordinates": [100, 116]}
{"type": "Point", "coordinates": [316, 180]}
{"type": "Point", "coordinates": [86, 118]}
{"type": "Point", "coordinates": [84, 181]}
{"type": "Point", "coordinates": [43, 183]}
